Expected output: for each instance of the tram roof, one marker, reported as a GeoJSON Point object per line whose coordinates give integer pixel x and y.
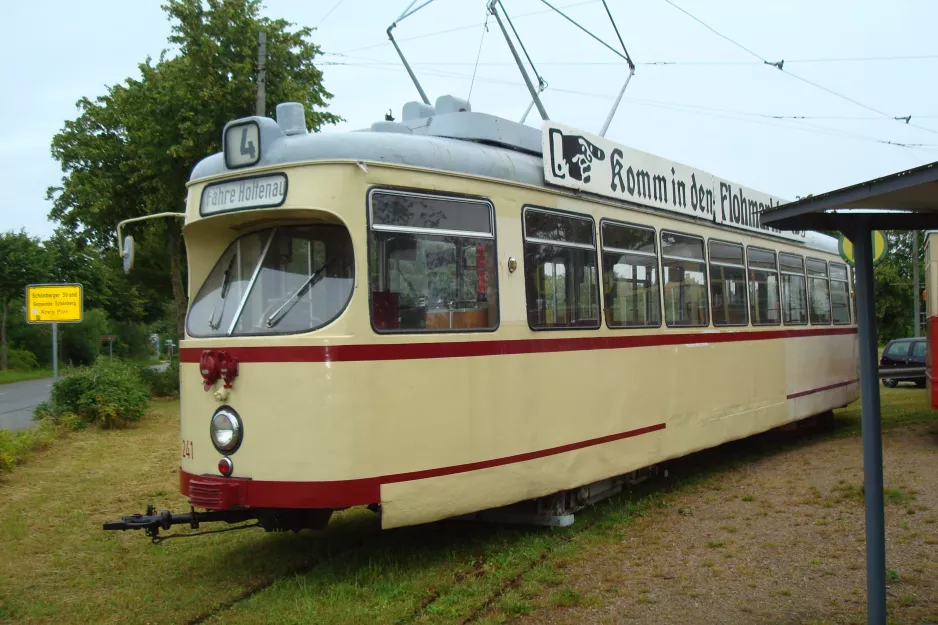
{"type": "Point", "coordinates": [445, 138]}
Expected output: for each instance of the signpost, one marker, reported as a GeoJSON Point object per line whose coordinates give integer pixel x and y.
{"type": "Point", "coordinates": [55, 304]}
{"type": "Point", "coordinates": [110, 338]}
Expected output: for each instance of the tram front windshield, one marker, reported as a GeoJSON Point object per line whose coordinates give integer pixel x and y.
{"type": "Point", "coordinates": [276, 281]}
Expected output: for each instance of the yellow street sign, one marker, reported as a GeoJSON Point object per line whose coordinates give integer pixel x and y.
{"type": "Point", "coordinates": [54, 303]}
{"type": "Point", "coordinates": [880, 248]}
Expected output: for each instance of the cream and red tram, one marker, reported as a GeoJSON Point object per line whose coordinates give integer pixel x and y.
{"type": "Point", "coordinates": [425, 319]}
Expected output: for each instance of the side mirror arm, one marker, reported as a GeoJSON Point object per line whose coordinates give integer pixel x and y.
{"type": "Point", "coordinates": [120, 244]}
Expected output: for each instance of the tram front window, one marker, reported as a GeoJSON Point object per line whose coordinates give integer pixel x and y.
{"type": "Point", "coordinates": [277, 281]}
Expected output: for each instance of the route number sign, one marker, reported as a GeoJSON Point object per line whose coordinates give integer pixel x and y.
{"type": "Point", "coordinates": [54, 303]}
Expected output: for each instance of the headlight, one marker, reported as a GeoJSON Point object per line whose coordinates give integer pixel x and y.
{"type": "Point", "coordinates": [226, 430]}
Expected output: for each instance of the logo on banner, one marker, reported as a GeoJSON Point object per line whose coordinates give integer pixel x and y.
{"type": "Point", "coordinates": [578, 160]}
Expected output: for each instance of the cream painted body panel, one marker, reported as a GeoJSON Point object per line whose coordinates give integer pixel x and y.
{"type": "Point", "coordinates": [324, 421]}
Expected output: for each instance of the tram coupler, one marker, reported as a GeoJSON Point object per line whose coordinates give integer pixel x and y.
{"type": "Point", "coordinates": [152, 523]}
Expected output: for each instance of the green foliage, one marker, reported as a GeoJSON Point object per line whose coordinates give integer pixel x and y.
{"type": "Point", "coordinates": [16, 446]}
{"type": "Point", "coordinates": [22, 262]}
{"type": "Point", "coordinates": [130, 151]}
{"type": "Point", "coordinates": [893, 286]}
{"type": "Point", "coordinates": [74, 259]}
{"type": "Point", "coordinates": [22, 360]}
{"type": "Point", "coordinates": [162, 383]}
{"type": "Point", "coordinates": [108, 393]}
{"type": "Point", "coordinates": [80, 343]}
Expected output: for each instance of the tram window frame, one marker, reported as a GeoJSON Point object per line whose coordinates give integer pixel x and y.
{"type": "Point", "coordinates": [434, 234]}
{"type": "Point", "coordinates": [745, 279]}
{"type": "Point", "coordinates": [811, 279]}
{"type": "Point", "coordinates": [845, 281]}
{"type": "Point", "coordinates": [529, 277]}
{"type": "Point", "coordinates": [621, 253]}
{"type": "Point", "coordinates": [704, 271]}
{"type": "Point", "coordinates": [753, 301]}
{"type": "Point", "coordinates": [782, 274]}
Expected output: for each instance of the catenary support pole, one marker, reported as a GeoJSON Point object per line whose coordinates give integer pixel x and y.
{"type": "Point", "coordinates": [261, 106]}
{"type": "Point", "coordinates": [55, 351]}
{"type": "Point", "coordinates": [872, 429]}
{"type": "Point", "coordinates": [916, 287]}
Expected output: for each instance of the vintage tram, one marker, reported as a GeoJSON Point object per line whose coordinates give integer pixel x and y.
{"type": "Point", "coordinates": [456, 313]}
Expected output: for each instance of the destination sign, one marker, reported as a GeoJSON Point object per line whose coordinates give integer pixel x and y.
{"type": "Point", "coordinates": [578, 160]}
{"type": "Point", "coordinates": [243, 193]}
{"type": "Point", "coordinates": [53, 303]}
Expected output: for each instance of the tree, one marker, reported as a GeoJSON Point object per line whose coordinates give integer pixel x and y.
{"type": "Point", "coordinates": [24, 262]}
{"type": "Point", "coordinates": [129, 153]}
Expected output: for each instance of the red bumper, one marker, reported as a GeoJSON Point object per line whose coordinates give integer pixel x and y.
{"type": "Point", "coordinates": [220, 493]}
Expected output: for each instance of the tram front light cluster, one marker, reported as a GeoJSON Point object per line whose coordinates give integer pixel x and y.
{"type": "Point", "coordinates": [226, 430]}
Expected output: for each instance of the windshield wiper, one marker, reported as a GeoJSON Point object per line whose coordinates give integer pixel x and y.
{"type": "Point", "coordinates": [225, 284]}
{"type": "Point", "coordinates": [310, 282]}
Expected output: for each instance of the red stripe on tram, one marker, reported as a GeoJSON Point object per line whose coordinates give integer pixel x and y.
{"type": "Point", "coordinates": [821, 389]}
{"type": "Point", "coordinates": [468, 349]}
{"type": "Point", "coordinates": [223, 493]}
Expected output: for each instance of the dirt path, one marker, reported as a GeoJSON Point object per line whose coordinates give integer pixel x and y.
{"type": "Point", "coordinates": [780, 540]}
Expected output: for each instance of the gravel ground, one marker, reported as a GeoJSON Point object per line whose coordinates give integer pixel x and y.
{"type": "Point", "coordinates": [780, 540]}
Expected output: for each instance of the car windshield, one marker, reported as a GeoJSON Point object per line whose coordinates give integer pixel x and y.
{"type": "Point", "coordinates": [276, 281]}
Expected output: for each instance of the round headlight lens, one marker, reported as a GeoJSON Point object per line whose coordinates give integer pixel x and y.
{"type": "Point", "coordinates": [226, 430]}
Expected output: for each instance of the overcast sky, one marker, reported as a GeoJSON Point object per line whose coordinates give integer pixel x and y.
{"type": "Point", "coordinates": [714, 111]}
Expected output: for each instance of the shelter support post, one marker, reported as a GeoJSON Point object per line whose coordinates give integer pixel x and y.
{"type": "Point", "coordinates": [872, 427]}
{"type": "Point", "coordinates": [55, 352]}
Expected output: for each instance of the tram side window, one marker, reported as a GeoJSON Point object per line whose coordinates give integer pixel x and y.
{"type": "Point", "coordinates": [840, 293]}
{"type": "Point", "coordinates": [560, 274]}
{"type": "Point", "coordinates": [819, 292]}
{"type": "Point", "coordinates": [728, 284]}
{"type": "Point", "coordinates": [433, 265]}
{"type": "Point", "coordinates": [630, 276]}
{"type": "Point", "coordinates": [763, 284]}
{"type": "Point", "coordinates": [684, 270]}
{"type": "Point", "coordinates": [794, 292]}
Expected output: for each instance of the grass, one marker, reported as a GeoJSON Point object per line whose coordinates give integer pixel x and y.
{"type": "Point", "coordinates": [10, 376]}
{"type": "Point", "coordinates": [56, 564]}
{"type": "Point", "coordinates": [16, 447]}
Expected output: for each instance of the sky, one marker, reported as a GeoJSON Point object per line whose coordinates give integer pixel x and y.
{"type": "Point", "coordinates": [716, 107]}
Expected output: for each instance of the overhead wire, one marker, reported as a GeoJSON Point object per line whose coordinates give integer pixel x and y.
{"type": "Point", "coordinates": [465, 27]}
{"type": "Point", "coordinates": [652, 63]}
{"type": "Point", "coordinates": [780, 66]}
{"type": "Point", "coordinates": [485, 28]}
{"type": "Point", "coordinates": [328, 13]}
{"type": "Point", "coordinates": [774, 121]}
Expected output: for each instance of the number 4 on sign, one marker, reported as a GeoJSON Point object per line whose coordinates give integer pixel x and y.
{"type": "Point", "coordinates": [247, 146]}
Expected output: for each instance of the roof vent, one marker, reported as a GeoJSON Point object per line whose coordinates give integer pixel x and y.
{"type": "Point", "coordinates": [452, 104]}
{"type": "Point", "coordinates": [391, 127]}
{"type": "Point", "coordinates": [416, 110]}
{"type": "Point", "coordinates": [291, 117]}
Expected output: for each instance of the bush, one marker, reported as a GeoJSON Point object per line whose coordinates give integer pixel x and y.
{"type": "Point", "coordinates": [162, 383]}
{"type": "Point", "coordinates": [109, 393]}
{"type": "Point", "coordinates": [15, 446]}
{"type": "Point", "coordinates": [22, 360]}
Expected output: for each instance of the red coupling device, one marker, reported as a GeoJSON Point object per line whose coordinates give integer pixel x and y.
{"type": "Point", "coordinates": [215, 365]}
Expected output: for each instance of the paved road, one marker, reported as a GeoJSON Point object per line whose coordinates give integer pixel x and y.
{"type": "Point", "coordinates": [17, 401]}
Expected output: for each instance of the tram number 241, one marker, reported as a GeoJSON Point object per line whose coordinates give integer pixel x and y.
{"type": "Point", "coordinates": [187, 449]}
